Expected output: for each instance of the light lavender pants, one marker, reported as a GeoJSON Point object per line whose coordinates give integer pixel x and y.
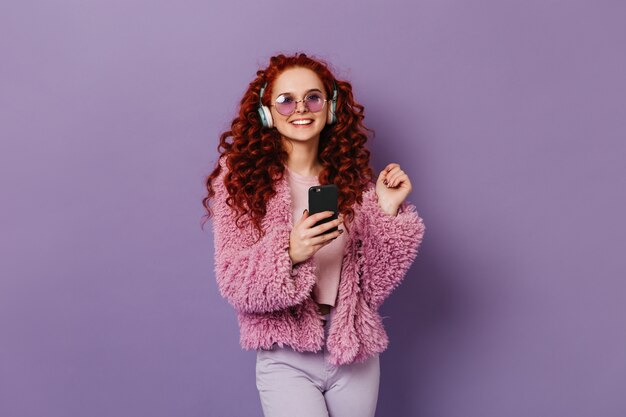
{"type": "Point", "coordinates": [304, 384]}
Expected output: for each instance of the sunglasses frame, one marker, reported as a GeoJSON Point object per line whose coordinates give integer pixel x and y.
{"type": "Point", "coordinates": [273, 104]}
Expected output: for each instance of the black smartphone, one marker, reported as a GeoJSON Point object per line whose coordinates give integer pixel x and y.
{"type": "Point", "coordinates": [324, 198]}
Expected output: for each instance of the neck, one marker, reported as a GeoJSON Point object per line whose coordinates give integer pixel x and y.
{"type": "Point", "coordinates": [303, 156]}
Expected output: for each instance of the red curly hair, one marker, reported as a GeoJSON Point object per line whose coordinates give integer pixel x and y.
{"type": "Point", "coordinates": [256, 159]}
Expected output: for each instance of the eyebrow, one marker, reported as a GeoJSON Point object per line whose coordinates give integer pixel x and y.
{"type": "Point", "coordinates": [305, 93]}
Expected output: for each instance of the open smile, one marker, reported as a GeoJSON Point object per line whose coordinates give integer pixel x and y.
{"type": "Point", "coordinates": [302, 122]}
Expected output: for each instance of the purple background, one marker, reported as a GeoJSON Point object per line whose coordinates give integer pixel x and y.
{"type": "Point", "coordinates": [509, 117]}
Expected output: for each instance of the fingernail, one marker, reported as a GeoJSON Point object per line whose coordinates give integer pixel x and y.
{"type": "Point", "coordinates": [304, 211]}
{"type": "Point", "coordinates": [385, 182]}
{"type": "Point", "coordinates": [340, 231]}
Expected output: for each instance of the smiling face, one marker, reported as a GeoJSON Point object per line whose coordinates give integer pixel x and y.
{"type": "Point", "coordinates": [302, 125]}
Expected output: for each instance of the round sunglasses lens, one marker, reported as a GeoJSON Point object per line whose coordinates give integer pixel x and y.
{"type": "Point", "coordinates": [314, 102]}
{"type": "Point", "coordinates": [285, 105]}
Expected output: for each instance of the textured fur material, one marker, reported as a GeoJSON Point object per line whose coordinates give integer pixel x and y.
{"type": "Point", "coordinates": [272, 297]}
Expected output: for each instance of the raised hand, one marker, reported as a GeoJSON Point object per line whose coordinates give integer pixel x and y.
{"type": "Point", "coordinates": [392, 188]}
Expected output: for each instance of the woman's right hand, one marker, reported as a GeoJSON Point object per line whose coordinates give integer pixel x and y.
{"type": "Point", "coordinates": [305, 240]}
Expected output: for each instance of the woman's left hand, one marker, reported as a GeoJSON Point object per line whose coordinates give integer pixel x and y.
{"type": "Point", "coordinates": [392, 188]}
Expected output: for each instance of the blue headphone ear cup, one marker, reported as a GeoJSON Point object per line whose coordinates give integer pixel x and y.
{"type": "Point", "coordinates": [266, 116]}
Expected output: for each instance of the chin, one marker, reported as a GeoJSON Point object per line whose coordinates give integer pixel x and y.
{"type": "Point", "coordinates": [300, 138]}
{"type": "Point", "coordinates": [301, 135]}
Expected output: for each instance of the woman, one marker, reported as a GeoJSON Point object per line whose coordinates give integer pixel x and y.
{"type": "Point", "coordinates": [306, 300]}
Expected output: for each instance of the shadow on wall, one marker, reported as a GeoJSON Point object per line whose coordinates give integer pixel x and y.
{"type": "Point", "coordinates": [422, 309]}
{"type": "Point", "coordinates": [436, 321]}
{"type": "Point", "coordinates": [427, 317]}
{"type": "Point", "coordinates": [440, 316]}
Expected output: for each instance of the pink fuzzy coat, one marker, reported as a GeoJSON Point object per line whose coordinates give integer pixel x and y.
{"type": "Point", "coordinates": [272, 297]}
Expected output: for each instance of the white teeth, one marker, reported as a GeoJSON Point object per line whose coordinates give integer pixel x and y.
{"type": "Point", "coordinates": [302, 122]}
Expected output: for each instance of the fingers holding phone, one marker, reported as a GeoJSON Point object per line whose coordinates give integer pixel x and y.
{"type": "Point", "coordinates": [311, 233]}
{"type": "Point", "coordinates": [318, 226]}
{"type": "Point", "coordinates": [321, 226]}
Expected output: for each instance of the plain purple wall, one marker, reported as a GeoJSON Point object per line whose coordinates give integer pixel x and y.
{"type": "Point", "coordinates": [509, 117]}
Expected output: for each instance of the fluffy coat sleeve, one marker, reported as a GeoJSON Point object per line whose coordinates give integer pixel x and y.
{"type": "Point", "coordinates": [255, 277]}
{"type": "Point", "coordinates": [388, 245]}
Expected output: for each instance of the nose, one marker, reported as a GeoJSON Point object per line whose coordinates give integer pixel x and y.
{"type": "Point", "coordinates": [300, 105]}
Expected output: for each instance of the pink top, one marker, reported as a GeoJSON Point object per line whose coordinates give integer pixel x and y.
{"type": "Point", "coordinates": [328, 259]}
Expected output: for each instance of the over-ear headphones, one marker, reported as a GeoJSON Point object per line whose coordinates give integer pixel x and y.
{"type": "Point", "coordinates": [264, 111]}
{"type": "Point", "coordinates": [266, 115]}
